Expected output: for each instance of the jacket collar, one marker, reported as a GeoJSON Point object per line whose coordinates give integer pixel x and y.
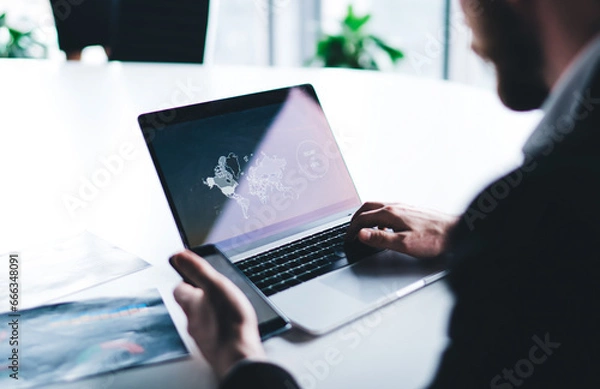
{"type": "Point", "coordinates": [569, 103]}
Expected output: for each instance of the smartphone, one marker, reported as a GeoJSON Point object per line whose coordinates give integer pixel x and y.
{"type": "Point", "coordinates": [271, 321]}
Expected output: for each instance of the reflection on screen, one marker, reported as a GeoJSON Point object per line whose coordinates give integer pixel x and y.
{"type": "Point", "coordinates": [239, 177]}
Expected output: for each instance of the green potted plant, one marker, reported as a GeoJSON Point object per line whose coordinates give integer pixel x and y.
{"type": "Point", "coordinates": [354, 47]}
{"type": "Point", "coordinates": [19, 43]}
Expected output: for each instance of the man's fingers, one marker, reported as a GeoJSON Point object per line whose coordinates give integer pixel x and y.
{"type": "Point", "coordinates": [200, 314]}
{"type": "Point", "coordinates": [382, 239]}
{"type": "Point", "coordinates": [187, 297]}
{"type": "Point", "coordinates": [382, 218]}
{"type": "Point", "coordinates": [196, 269]}
{"type": "Point", "coordinates": [368, 206]}
{"type": "Point", "coordinates": [355, 224]}
{"type": "Point", "coordinates": [220, 292]}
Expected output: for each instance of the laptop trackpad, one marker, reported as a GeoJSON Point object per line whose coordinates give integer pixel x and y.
{"type": "Point", "coordinates": [327, 302]}
{"type": "Point", "coordinates": [380, 276]}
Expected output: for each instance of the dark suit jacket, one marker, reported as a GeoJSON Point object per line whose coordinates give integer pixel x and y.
{"type": "Point", "coordinates": [525, 264]}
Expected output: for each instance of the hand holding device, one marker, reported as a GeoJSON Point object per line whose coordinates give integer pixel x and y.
{"type": "Point", "coordinates": [220, 318]}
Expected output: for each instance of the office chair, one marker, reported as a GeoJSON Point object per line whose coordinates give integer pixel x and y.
{"type": "Point", "coordinates": [159, 30]}
{"type": "Point", "coordinates": [82, 24]}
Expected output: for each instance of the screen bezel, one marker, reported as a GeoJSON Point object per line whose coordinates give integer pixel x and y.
{"type": "Point", "coordinates": [152, 122]}
{"type": "Point", "coordinates": [267, 329]}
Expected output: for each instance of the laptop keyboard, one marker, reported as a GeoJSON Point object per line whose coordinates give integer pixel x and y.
{"type": "Point", "coordinates": [297, 262]}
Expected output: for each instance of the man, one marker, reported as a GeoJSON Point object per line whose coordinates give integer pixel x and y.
{"type": "Point", "coordinates": [523, 257]}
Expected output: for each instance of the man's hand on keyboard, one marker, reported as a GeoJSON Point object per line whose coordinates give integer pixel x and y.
{"type": "Point", "coordinates": [220, 318]}
{"type": "Point", "coordinates": [412, 231]}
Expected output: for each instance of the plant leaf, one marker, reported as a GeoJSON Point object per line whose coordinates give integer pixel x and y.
{"type": "Point", "coordinates": [322, 46]}
{"type": "Point", "coordinates": [3, 19]}
{"type": "Point", "coordinates": [394, 54]}
{"type": "Point", "coordinates": [353, 48]}
{"type": "Point", "coordinates": [353, 22]}
{"type": "Point", "coordinates": [16, 35]}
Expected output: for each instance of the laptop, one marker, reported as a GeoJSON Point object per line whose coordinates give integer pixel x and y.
{"type": "Point", "coordinates": [262, 177]}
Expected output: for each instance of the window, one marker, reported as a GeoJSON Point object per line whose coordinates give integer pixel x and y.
{"type": "Point", "coordinates": [464, 65]}
{"type": "Point", "coordinates": [415, 26]}
{"type": "Point", "coordinates": [432, 33]}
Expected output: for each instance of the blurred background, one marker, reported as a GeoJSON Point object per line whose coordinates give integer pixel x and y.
{"type": "Point", "coordinates": [425, 38]}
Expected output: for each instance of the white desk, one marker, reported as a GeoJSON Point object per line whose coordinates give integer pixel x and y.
{"type": "Point", "coordinates": [427, 143]}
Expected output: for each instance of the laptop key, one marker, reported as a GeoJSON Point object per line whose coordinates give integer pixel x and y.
{"type": "Point", "coordinates": [298, 271]}
{"type": "Point", "coordinates": [321, 270]}
{"type": "Point", "coordinates": [260, 284]}
{"type": "Point", "coordinates": [244, 265]}
{"type": "Point", "coordinates": [292, 282]}
{"type": "Point", "coordinates": [268, 291]}
{"type": "Point", "coordinates": [256, 278]}
{"type": "Point", "coordinates": [274, 279]}
{"type": "Point", "coordinates": [255, 269]}
{"type": "Point", "coordinates": [287, 274]}
{"type": "Point", "coordinates": [282, 260]}
{"type": "Point", "coordinates": [269, 273]}
{"type": "Point", "coordinates": [281, 286]}
{"type": "Point", "coordinates": [298, 262]}
{"type": "Point", "coordinates": [311, 266]}
{"type": "Point", "coordinates": [306, 276]}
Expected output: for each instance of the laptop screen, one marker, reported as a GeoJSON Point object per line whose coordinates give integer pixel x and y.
{"type": "Point", "coordinates": [239, 171]}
